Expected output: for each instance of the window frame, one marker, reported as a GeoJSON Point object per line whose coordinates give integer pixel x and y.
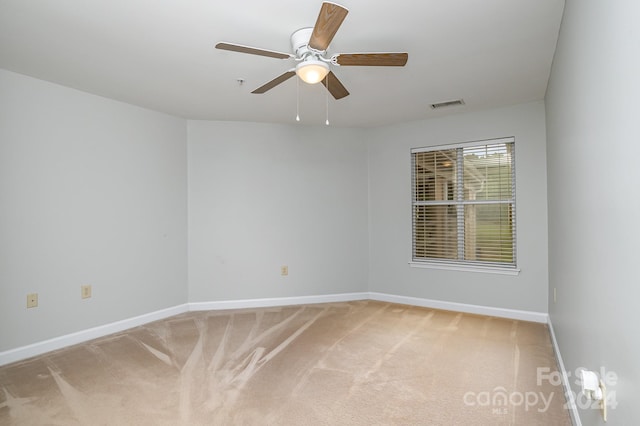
{"type": "Point", "coordinates": [465, 265]}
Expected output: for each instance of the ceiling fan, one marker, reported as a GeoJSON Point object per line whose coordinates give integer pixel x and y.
{"type": "Point", "coordinates": [310, 48]}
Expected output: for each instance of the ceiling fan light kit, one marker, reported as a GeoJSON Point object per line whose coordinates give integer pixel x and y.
{"type": "Point", "coordinates": [310, 46]}
{"type": "Point", "coordinates": [312, 71]}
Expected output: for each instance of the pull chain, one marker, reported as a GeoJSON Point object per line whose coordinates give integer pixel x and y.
{"type": "Point", "coordinates": [327, 100]}
{"type": "Point", "coordinates": [297, 98]}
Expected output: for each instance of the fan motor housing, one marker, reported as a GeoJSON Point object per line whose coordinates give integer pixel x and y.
{"type": "Point", "coordinates": [300, 43]}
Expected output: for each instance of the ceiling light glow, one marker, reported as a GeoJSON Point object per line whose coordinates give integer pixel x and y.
{"type": "Point", "coordinates": [312, 71]}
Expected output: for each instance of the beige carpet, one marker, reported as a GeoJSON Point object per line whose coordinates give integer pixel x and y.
{"type": "Point", "coordinates": [357, 363]}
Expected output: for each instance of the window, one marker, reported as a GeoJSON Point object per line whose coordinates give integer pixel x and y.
{"type": "Point", "coordinates": [463, 203]}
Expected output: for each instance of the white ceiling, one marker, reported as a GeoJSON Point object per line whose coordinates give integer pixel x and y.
{"type": "Point", "coordinates": [160, 54]}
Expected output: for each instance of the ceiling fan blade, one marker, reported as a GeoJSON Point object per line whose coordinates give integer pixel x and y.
{"type": "Point", "coordinates": [273, 83]}
{"type": "Point", "coordinates": [253, 50]}
{"type": "Point", "coordinates": [329, 20]}
{"type": "Point", "coordinates": [333, 85]}
{"type": "Point", "coordinates": [372, 59]}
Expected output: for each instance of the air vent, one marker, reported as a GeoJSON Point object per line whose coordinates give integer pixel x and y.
{"type": "Point", "coordinates": [447, 104]}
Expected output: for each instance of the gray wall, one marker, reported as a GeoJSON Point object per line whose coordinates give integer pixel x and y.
{"type": "Point", "coordinates": [92, 191]}
{"type": "Point", "coordinates": [390, 210]}
{"type": "Point", "coordinates": [262, 196]}
{"type": "Point", "coordinates": [593, 152]}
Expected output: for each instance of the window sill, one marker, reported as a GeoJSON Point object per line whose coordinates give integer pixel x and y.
{"type": "Point", "coordinates": [466, 268]}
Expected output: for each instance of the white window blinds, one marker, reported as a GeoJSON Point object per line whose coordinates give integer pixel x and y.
{"type": "Point", "coordinates": [463, 202]}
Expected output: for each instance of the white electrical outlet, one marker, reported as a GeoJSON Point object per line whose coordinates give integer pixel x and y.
{"type": "Point", "coordinates": [284, 270]}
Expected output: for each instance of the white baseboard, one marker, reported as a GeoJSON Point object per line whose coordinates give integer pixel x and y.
{"type": "Point", "coordinates": [276, 301]}
{"type": "Point", "coordinates": [463, 307]}
{"type": "Point", "coordinates": [39, 348]}
{"type": "Point", "coordinates": [573, 409]}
